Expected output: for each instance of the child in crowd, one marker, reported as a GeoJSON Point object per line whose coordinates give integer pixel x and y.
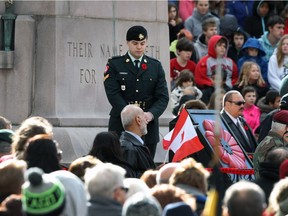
{"type": "Point", "coordinates": [250, 75]}
{"type": "Point", "coordinates": [184, 33]}
{"type": "Point", "coordinates": [251, 112]}
{"type": "Point", "coordinates": [235, 51]}
{"type": "Point", "coordinates": [206, 68]}
{"type": "Point", "coordinates": [268, 103]}
{"type": "Point", "coordinates": [182, 61]}
{"type": "Point", "coordinates": [209, 28]}
{"type": "Point", "coordinates": [185, 80]}
{"type": "Point", "coordinates": [200, 13]}
{"type": "Point", "coordinates": [253, 51]}
{"type": "Point", "coordinates": [256, 24]}
{"type": "Point", "coordinates": [278, 64]}
{"type": "Point", "coordinates": [174, 22]}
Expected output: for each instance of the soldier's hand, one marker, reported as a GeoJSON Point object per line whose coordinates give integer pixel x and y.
{"type": "Point", "coordinates": [148, 116]}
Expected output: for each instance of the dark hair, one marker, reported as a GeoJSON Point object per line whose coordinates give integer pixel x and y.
{"type": "Point", "coordinates": [177, 18]}
{"type": "Point", "coordinates": [185, 75]}
{"type": "Point", "coordinates": [106, 147]}
{"type": "Point", "coordinates": [42, 153]}
{"type": "Point", "coordinates": [221, 41]}
{"type": "Point", "coordinates": [273, 20]}
{"type": "Point", "coordinates": [184, 44]}
{"type": "Point", "coordinates": [271, 96]}
{"type": "Point", "coordinates": [248, 89]}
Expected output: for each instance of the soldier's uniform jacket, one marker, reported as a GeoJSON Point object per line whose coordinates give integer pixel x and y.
{"type": "Point", "coordinates": [146, 87]}
{"type": "Point", "coordinates": [271, 141]}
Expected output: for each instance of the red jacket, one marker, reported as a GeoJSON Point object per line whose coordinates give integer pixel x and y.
{"type": "Point", "coordinates": [206, 67]}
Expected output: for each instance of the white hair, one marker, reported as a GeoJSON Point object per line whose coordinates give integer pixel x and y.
{"type": "Point", "coordinates": [276, 126]}
{"type": "Point", "coordinates": [128, 114]}
{"type": "Point", "coordinates": [103, 179]}
{"type": "Point", "coordinates": [141, 204]}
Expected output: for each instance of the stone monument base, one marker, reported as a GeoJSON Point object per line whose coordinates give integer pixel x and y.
{"type": "Point", "coordinates": [77, 141]}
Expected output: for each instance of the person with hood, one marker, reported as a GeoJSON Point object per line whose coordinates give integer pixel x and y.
{"type": "Point", "coordinates": [200, 13]}
{"type": "Point", "coordinates": [256, 25]}
{"type": "Point", "coordinates": [235, 51]}
{"type": "Point", "coordinates": [253, 51]}
{"type": "Point", "coordinates": [206, 68]}
{"type": "Point", "coordinates": [228, 25]}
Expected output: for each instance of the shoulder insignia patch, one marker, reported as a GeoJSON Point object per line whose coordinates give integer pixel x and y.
{"type": "Point", "coordinates": [106, 69]}
{"type": "Point", "coordinates": [106, 77]}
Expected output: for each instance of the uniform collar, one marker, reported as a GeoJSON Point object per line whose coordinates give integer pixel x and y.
{"type": "Point", "coordinates": [133, 59]}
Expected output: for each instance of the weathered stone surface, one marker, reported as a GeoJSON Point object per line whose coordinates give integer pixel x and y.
{"type": "Point", "coordinates": [60, 55]}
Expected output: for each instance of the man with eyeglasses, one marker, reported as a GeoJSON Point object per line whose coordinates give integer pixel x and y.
{"type": "Point", "coordinates": [105, 185]}
{"type": "Point", "coordinates": [232, 113]}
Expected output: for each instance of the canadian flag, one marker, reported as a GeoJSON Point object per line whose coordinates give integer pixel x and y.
{"type": "Point", "coordinates": [183, 139]}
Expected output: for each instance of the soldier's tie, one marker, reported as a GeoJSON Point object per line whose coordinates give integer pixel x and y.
{"type": "Point", "coordinates": [136, 64]}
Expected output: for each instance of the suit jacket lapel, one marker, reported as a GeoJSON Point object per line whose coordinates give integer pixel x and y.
{"type": "Point", "coordinates": [237, 131]}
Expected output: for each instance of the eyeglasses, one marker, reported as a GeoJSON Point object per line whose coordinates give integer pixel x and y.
{"type": "Point", "coordinates": [238, 103]}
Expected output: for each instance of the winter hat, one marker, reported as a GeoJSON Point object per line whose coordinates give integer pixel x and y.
{"type": "Point", "coordinates": [284, 102]}
{"type": "Point", "coordinates": [42, 194]}
{"type": "Point", "coordinates": [137, 33]}
{"type": "Point", "coordinates": [6, 135]}
{"type": "Point", "coordinates": [283, 169]}
{"type": "Point", "coordinates": [281, 117]}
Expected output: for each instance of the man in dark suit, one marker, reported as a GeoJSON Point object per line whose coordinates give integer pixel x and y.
{"type": "Point", "coordinates": [232, 113]}
{"type": "Point", "coordinates": [136, 79]}
{"type": "Point", "coordinates": [134, 149]}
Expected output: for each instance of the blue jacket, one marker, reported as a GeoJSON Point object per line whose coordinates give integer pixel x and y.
{"type": "Point", "coordinates": [254, 43]}
{"type": "Point", "coordinates": [240, 9]}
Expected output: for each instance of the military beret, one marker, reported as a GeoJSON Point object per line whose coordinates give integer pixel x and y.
{"type": "Point", "coordinates": [137, 33]}
{"type": "Point", "coordinates": [281, 117]}
{"type": "Point", "coordinates": [284, 102]}
{"type": "Point", "coordinates": [6, 135]}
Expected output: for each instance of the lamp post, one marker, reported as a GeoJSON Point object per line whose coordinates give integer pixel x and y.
{"type": "Point", "coordinates": [8, 20]}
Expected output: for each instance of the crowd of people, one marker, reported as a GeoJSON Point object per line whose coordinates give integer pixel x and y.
{"type": "Point", "coordinates": [239, 47]}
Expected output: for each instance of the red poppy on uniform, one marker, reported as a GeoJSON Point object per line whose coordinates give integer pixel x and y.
{"type": "Point", "coordinates": [144, 66]}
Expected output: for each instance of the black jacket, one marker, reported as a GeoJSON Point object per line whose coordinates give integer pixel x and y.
{"type": "Point", "coordinates": [250, 144]}
{"type": "Point", "coordinates": [136, 154]}
{"type": "Point", "coordinates": [124, 84]}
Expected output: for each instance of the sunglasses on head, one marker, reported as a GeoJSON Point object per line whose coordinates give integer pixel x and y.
{"type": "Point", "coordinates": [238, 103]}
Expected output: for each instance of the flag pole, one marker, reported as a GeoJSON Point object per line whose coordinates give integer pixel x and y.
{"type": "Point", "coordinates": [215, 195]}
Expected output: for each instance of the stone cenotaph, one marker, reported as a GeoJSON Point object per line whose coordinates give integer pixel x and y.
{"type": "Point", "coordinates": [56, 67]}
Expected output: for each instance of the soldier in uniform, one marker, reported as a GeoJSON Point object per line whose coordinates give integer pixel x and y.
{"type": "Point", "coordinates": [136, 79]}
{"type": "Point", "coordinates": [277, 137]}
